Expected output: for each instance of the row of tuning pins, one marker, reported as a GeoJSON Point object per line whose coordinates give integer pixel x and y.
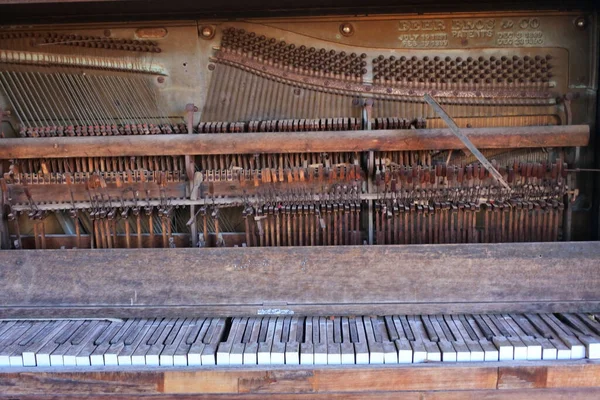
{"type": "Point", "coordinates": [303, 224]}
{"type": "Point", "coordinates": [468, 222]}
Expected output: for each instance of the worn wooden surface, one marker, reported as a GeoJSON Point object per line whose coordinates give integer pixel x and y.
{"type": "Point", "coordinates": [505, 380]}
{"type": "Point", "coordinates": [284, 142]}
{"type": "Point", "coordinates": [536, 277]}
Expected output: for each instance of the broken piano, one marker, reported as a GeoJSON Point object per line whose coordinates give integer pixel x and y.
{"type": "Point", "coordinates": [353, 205]}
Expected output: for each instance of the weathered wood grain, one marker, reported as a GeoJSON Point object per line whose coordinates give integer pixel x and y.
{"type": "Point", "coordinates": [377, 279]}
{"type": "Point", "coordinates": [535, 394]}
{"type": "Point", "coordinates": [476, 381]}
{"type": "Point", "coordinates": [282, 142]}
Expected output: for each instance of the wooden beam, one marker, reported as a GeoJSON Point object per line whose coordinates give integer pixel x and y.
{"type": "Point", "coordinates": [286, 142]}
{"type": "Point", "coordinates": [491, 380]}
{"type": "Point", "coordinates": [342, 280]}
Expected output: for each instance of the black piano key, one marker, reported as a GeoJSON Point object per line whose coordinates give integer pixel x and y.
{"type": "Point", "coordinates": [174, 332]}
{"type": "Point", "coordinates": [407, 329]}
{"type": "Point", "coordinates": [391, 328]}
{"type": "Point", "coordinates": [30, 334]}
{"type": "Point", "coordinates": [194, 331]}
{"type": "Point", "coordinates": [109, 332]}
{"type": "Point", "coordinates": [158, 331]}
{"type": "Point", "coordinates": [485, 329]}
{"type": "Point", "coordinates": [468, 327]}
{"type": "Point", "coordinates": [118, 337]}
{"type": "Point", "coordinates": [429, 329]}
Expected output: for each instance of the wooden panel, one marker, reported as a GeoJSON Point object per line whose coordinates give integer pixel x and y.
{"type": "Point", "coordinates": [475, 381]}
{"type": "Point", "coordinates": [326, 280]}
{"type": "Point", "coordinates": [282, 142]}
{"type": "Point", "coordinates": [537, 394]}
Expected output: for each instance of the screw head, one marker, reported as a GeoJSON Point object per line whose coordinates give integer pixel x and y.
{"type": "Point", "coordinates": [207, 32]}
{"type": "Point", "coordinates": [581, 22]}
{"type": "Point", "coordinates": [346, 29]}
{"type": "Point", "coordinates": [160, 79]}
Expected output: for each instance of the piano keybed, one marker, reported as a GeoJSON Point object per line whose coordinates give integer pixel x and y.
{"type": "Point", "coordinates": [290, 340]}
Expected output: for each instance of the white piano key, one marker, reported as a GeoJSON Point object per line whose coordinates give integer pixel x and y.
{"type": "Point", "coordinates": [432, 351]}
{"type": "Point", "coordinates": [292, 347]}
{"type": "Point", "coordinates": [62, 343]}
{"type": "Point", "coordinates": [375, 348]}
{"type": "Point", "coordinates": [84, 357]}
{"type": "Point", "coordinates": [251, 347]}
{"type": "Point", "coordinates": [102, 343]}
{"type": "Point", "coordinates": [506, 350]}
{"type": "Point", "coordinates": [307, 350]}
{"type": "Point", "coordinates": [361, 347]}
{"type": "Point", "coordinates": [208, 356]}
{"type": "Point", "coordinates": [585, 331]}
{"type": "Point", "coordinates": [180, 355]}
{"type": "Point", "coordinates": [224, 348]}
{"type": "Point", "coordinates": [236, 354]}
{"type": "Point", "coordinates": [405, 351]}
{"type": "Point", "coordinates": [133, 340]}
{"type": "Point", "coordinates": [78, 343]}
{"type": "Point", "coordinates": [10, 339]}
{"type": "Point", "coordinates": [156, 346]}
{"type": "Point", "coordinates": [469, 337]}
{"type": "Point", "coordinates": [43, 337]}
{"type": "Point", "coordinates": [167, 355]}
{"type": "Point", "coordinates": [534, 349]}
{"type": "Point", "coordinates": [320, 340]}
{"type": "Point", "coordinates": [334, 349]}
{"type": "Point", "coordinates": [16, 358]}
{"type": "Point", "coordinates": [490, 352]}
{"type": "Point", "coordinates": [383, 335]}
{"type": "Point", "coordinates": [548, 350]}
{"type": "Point", "coordinates": [444, 336]}
{"type": "Point", "coordinates": [564, 334]}
{"type": "Point", "coordinates": [264, 347]}
{"type": "Point", "coordinates": [346, 347]}
{"type": "Point", "coordinates": [194, 355]}
{"type": "Point", "coordinates": [278, 346]}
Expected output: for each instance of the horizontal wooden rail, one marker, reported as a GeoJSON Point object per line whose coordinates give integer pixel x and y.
{"type": "Point", "coordinates": [293, 142]}
{"type": "Point", "coordinates": [508, 380]}
{"type": "Point", "coordinates": [336, 280]}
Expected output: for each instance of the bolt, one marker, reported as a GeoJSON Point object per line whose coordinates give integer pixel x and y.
{"type": "Point", "coordinates": [346, 29]}
{"type": "Point", "coordinates": [207, 32]}
{"type": "Point", "coordinates": [581, 23]}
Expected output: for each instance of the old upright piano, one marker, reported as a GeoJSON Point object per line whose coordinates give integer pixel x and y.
{"type": "Point", "coordinates": [359, 201]}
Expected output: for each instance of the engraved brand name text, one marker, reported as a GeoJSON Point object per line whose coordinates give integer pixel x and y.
{"type": "Point", "coordinates": [424, 25]}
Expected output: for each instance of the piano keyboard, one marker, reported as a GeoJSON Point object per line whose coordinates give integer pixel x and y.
{"type": "Point", "coordinates": [394, 339]}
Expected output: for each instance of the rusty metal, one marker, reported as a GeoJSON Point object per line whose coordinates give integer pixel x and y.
{"type": "Point", "coordinates": [266, 93]}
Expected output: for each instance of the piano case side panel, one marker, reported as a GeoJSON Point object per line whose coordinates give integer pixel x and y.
{"type": "Point", "coordinates": [354, 280]}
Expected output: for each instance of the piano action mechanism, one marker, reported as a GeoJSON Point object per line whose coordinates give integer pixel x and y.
{"type": "Point", "coordinates": [315, 199]}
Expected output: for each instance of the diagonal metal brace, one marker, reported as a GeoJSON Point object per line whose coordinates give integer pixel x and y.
{"type": "Point", "coordinates": [463, 138]}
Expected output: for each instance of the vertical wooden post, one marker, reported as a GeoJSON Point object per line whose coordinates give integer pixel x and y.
{"type": "Point", "coordinates": [190, 170]}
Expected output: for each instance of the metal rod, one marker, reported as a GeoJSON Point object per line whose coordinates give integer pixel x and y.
{"type": "Point", "coordinates": [463, 138]}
